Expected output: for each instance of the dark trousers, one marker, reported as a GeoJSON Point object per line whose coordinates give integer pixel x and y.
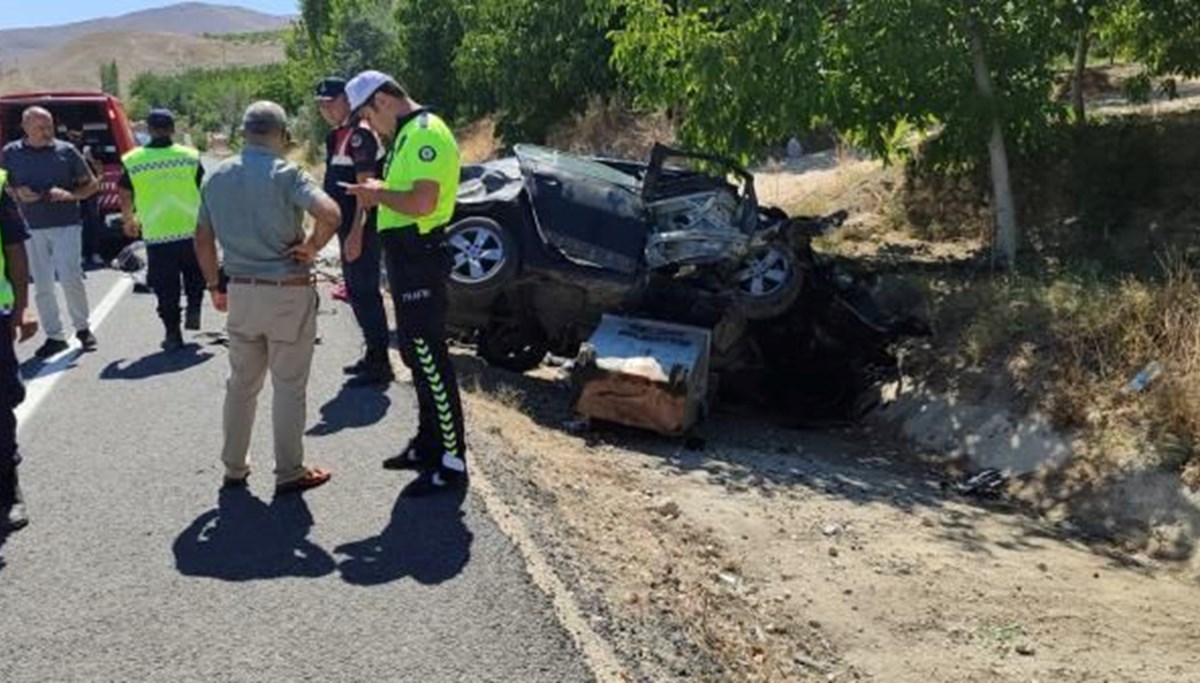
{"type": "Point", "coordinates": [12, 392]}
{"type": "Point", "coordinates": [362, 283]}
{"type": "Point", "coordinates": [173, 269]}
{"type": "Point", "coordinates": [418, 268]}
{"type": "Point", "coordinates": [90, 215]}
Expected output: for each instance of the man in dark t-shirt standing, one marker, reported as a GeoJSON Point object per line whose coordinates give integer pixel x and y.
{"type": "Point", "coordinates": [352, 155]}
{"type": "Point", "coordinates": [49, 178]}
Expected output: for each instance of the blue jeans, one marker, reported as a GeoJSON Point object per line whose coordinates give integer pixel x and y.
{"type": "Point", "coordinates": [362, 283]}
{"type": "Point", "coordinates": [12, 392]}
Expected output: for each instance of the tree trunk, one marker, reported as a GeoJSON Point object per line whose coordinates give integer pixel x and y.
{"type": "Point", "coordinates": [1082, 47]}
{"type": "Point", "coordinates": [1004, 246]}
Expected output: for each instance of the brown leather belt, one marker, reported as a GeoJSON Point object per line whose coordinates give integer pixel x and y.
{"type": "Point", "coordinates": [299, 281]}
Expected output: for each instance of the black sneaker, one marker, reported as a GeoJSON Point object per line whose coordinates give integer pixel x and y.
{"type": "Point", "coordinates": [192, 321]}
{"type": "Point", "coordinates": [12, 505]}
{"type": "Point", "coordinates": [173, 340]}
{"type": "Point", "coordinates": [377, 372]}
{"type": "Point", "coordinates": [356, 368]}
{"type": "Point", "coordinates": [86, 339]}
{"type": "Point", "coordinates": [51, 348]}
{"type": "Point", "coordinates": [436, 482]}
{"type": "Point", "coordinates": [410, 458]}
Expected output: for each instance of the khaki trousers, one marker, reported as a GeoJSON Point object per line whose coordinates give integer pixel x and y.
{"type": "Point", "coordinates": [271, 329]}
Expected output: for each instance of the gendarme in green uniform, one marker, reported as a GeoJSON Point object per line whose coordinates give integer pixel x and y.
{"type": "Point", "coordinates": [8, 297]}
{"type": "Point", "coordinates": [165, 195]}
{"type": "Point", "coordinates": [425, 149]}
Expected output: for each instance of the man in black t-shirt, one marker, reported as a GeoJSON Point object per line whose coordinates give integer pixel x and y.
{"type": "Point", "coordinates": [352, 155]}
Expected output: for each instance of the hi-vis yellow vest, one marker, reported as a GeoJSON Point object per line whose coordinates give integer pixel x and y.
{"type": "Point", "coordinates": [165, 195]}
{"type": "Point", "coordinates": [425, 149]}
{"type": "Point", "coordinates": [7, 296]}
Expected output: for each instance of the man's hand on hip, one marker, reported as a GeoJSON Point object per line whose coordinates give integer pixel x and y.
{"type": "Point", "coordinates": [132, 228]}
{"type": "Point", "coordinates": [305, 252]}
{"type": "Point", "coordinates": [220, 301]}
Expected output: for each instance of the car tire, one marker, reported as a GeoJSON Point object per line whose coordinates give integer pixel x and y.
{"type": "Point", "coordinates": [768, 282]}
{"type": "Point", "coordinates": [511, 345]}
{"type": "Point", "coordinates": [484, 254]}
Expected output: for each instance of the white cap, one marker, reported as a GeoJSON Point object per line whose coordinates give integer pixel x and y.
{"type": "Point", "coordinates": [360, 88]}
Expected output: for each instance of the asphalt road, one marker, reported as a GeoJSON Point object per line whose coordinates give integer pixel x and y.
{"type": "Point", "coordinates": [136, 568]}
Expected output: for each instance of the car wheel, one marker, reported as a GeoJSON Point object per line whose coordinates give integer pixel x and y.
{"type": "Point", "coordinates": [768, 282]}
{"type": "Point", "coordinates": [484, 254]}
{"type": "Point", "coordinates": [512, 346]}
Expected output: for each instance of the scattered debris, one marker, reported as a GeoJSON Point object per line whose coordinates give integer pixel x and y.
{"type": "Point", "coordinates": [989, 483]}
{"type": "Point", "coordinates": [1026, 650]}
{"type": "Point", "coordinates": [1144, 379]}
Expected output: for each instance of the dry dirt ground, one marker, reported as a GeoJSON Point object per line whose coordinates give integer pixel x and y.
{"type": "Point", "coordinates": [755, 553]}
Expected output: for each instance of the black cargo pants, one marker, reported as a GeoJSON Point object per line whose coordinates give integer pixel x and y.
{"type": "Point", "coordinates": [12, 392]}
{"type": "Point", "coordinates": [418, 268]}
{"type": "Point", "coordinates": [174, 269]}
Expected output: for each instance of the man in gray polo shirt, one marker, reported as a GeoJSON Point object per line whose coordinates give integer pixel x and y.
{"type": "Point", "coordinates": [50, 178]}
{"type": "Point", "coordinates": [254, 205]}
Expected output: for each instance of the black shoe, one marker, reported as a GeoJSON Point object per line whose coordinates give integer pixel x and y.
{"type": "Point", "coordinates": [192, 321]}
{"type": "Point", "coordinates": [436, 482]}
{"type": "Point", "coordinates": [12, 505]}
{"type": "Point", "coordinates": [230, 483]}
{"type": "Point", "coordinates": [173, 341]}
{"type": "Point", "coordinates": [377, 374]}
{"type": "Point", "coordinates": [357, 368]}
{"type": "Point", "coordinates": [86, 339]}
{"type": "Point", "coordinates": [51, 348]}
{"type": "Point", "coordinates": [411, 458]}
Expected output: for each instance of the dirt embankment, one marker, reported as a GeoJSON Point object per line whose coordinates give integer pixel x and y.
{"type": "Point", "coordinates": [761, 554]}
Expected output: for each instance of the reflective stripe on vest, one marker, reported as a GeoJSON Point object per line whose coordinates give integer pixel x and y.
{"type": "Point", "coordinates": [401, 173]}
{"type": "Point", "coordinates": [8, 297]}
{"type": "Point", "coordinates": [165, 195]}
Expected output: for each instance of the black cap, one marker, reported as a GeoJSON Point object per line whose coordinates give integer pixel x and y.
{"type": "Point", "coordinates": [331, 88]}
{"type": "Point", "coordinates": [160, 118]}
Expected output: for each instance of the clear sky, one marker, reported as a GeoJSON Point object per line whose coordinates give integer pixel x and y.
{"type": "Point", "coordinates": [52, 12]}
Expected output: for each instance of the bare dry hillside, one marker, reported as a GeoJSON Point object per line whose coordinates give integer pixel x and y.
{"type": "Point", "coordinates": [190, 18]}
{"type": "Point", "coordinates": [76, 64]}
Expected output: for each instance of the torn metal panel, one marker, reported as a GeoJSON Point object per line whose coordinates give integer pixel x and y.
{"type": "Point", "coordinates": [645, 374]}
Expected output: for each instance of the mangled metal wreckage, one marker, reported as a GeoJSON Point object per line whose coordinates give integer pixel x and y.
{"type": "Point", "coordinates": [689, 275]}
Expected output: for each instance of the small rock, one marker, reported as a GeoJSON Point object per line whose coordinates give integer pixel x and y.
{"type": "Point", "coordinates": [1026, 650]}
{"type": "Point", "coordinates": [832, 529]}
{"type": "Point", "coordinates": [667, 508]}
{"type": "Point", "coordinates": [1042, 567]}
{"type": "Point", "coordinates": [729, 578]}
{"type": "Point", "coordinates": [833, 552]}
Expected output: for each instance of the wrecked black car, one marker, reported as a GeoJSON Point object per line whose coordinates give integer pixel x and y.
{"type": "Point", "coordinates": [545, 243]}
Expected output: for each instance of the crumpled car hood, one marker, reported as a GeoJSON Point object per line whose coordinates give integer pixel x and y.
{"type": "Point", "coordinates": [493, 181]}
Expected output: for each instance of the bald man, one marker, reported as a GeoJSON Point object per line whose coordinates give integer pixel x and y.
{"type": "Point", "coordinates": [49, 178]}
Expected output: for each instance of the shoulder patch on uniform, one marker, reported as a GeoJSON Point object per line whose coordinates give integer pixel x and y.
{"type": "Point", "coordinates": [427, 153]}
{"type": "Point", "coordinates": [356, 140]}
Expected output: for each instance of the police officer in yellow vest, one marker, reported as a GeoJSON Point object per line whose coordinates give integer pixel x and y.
{"type": "Point", "coordinates": [416, 200]}
{"type": "Point", "coordinates": [160, 199]}
{"type": "Point", "coordinates": [15, 323]}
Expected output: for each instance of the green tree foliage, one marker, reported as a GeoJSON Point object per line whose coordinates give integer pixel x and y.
{"type": "Point", "coordinates": [213, 100]}
{"type": "Point", "coordinates": [536, 62]}
{"type": "Point", "coordinates": [430, 32]}
{"type": "Point", "coordinates": [110, 79]}
{"type": "Point", "coordinates": [1162, 34]}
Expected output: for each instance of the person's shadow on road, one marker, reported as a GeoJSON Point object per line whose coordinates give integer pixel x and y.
{"type": "Point", "coordinates": [426, 539]}
{"type": "Point", "coordinates": [244, 539]}
{"type": "Point", "coordinates": [158, 364]}
{"type": "Point", "coordinates": [352, 408]}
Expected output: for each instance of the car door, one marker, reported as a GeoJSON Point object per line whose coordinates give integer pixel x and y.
{"type": "Point", "coordinates": [591, 218]}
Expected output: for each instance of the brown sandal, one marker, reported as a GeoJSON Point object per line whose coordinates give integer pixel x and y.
{"type": "Point", "coordinates": [313, 477]}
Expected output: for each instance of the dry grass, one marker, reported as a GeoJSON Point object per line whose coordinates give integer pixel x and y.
{"type": "Point", "coordinates": [477, 141]}
{"type": "Point", "coordinates": [610, 128]}
{"type": "Point", "coordinates": [1070, 345]}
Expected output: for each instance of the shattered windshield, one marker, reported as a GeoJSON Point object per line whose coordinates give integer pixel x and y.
{"type": "Point", "coordinates": [546, 159]}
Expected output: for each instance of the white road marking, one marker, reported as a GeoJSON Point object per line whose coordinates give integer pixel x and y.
{"type": "Point", "coordinates": [38, 388]}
